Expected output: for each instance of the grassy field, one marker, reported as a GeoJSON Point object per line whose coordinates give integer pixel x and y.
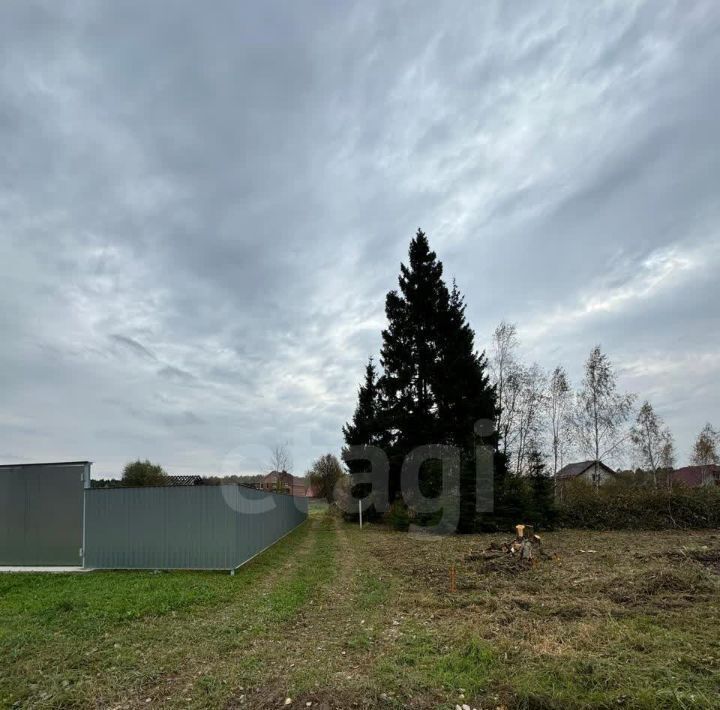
{"type": "Point", "coordinates": [338, 617]}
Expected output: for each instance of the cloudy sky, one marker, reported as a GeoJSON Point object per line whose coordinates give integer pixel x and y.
{"type": "Point", "coordinates": [202, 206]}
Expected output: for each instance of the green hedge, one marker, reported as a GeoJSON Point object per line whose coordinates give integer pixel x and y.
{"type": "Point", "coordinates": [640, 508]}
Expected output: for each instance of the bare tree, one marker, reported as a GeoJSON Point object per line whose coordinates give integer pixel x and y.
{"type": "Point", "coordinates": [502, 367]}
{"type": "Point", "coordinates": [705, 450]}
{"type": "Point", "coordinates": [520, 394]}
{"type": "Point", "coordinates": [512, 397]}
{"type": "Point", "coordinates": [651, 438]}
{"type": "Point", "coordinates": [527, 421]}
{"type": "Point", "coordinates": [280, 458]}
{"type": "Point", "coordinates": [667, 458]}
{"type": "Point", "coordinates": [667, 454]}
{"type": "Point", "coordinates": [601, 411]}
{"type": "Point", "coordinates": [558, 403]}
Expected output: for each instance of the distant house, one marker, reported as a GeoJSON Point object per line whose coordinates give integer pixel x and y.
{"type": "Point", "coordinates": [284, 482]}
{"type": "Point", "coordinates": [582, 471]}
{"type": "Point", "coordinates": [696, 476]}
{"type": "Point", "coordinates": [279, 481]}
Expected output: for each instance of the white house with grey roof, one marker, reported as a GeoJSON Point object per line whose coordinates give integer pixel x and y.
{"type": "Point", "coordinates": [583, 471]}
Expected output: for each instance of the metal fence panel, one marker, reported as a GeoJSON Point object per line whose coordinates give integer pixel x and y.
{"type": "Point", "coordinates": [276, 515]}
{"type": "Point", "coordinates": [184, 527]}
{"type": "Point", "coordinates": [41, 513]}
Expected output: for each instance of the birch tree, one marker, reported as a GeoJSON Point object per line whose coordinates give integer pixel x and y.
{"type": "Point", "coordinates": [601, 411]}
{"type": "Point", "coordinates": [558, 404]}
{"type": "Point", "coordinates": [527, 421]}
{"type": "Point", "coordinates": [651, 438]}
{"type": "Point", "coordinates": [705, 450]}
{"type": "Point", "coordinates": [667, 454]}
{"type": "Point", "coordinates": [520, 392]}
{"type": "Point", "coordinates": [667, 459]}
{"type": "Point", "coordinates": [513, 388]}
{"type": "Point", "coordinates": [505, 377]}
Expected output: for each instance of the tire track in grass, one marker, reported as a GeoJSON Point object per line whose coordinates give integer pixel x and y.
{"type": "Point", "coordinates": [219, 655]}
{"type": "Point", "coordinates": [368, 639]}
{"type": "Point", "coordinates": [326, 659]}
{"type": "Point", "coordinates": [373, 643]}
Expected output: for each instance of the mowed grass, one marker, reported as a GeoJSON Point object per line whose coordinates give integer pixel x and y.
{"type": "Point", "coordinates": [76, 640]}
{"type": "Point", "coordinates": [341, 617]}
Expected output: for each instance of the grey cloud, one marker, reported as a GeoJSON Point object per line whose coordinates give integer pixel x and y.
{"type": "Point", "coordinates": [133, 345]}
{"type": "Point", "coordinates": [176, 374]}
{"type": "Point", "coordinates": [181, 419]}
{"type": "Point", "coordinates": [226, 196]}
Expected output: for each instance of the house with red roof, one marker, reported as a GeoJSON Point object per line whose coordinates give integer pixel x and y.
{"type": "Point", "coordinates": [284, 482]}
{"type": "Point", "coordinates": [696, 476]}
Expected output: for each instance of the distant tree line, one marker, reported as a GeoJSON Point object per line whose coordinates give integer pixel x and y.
{"type": "Point", "coordinates": [249, 480]}
{"type": "Point", "coordinates": [145, 473]}
{"type": "Point", "coordinates": [539, 412]}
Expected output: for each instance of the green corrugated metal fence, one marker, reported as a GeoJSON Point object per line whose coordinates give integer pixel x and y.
{"type": "Point", "coordinates": [41, 513]}
{"type": "Point", "coordinates": [188, 527]}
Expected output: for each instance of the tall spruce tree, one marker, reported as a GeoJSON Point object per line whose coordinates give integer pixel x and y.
{"type": "Point", "coordinates": [365, 426]}
{"type": "Point", "coordinates": [410, 349]}
{"type": "Point", "coordinates": [542, 510]}
{"type": "Point", "coordinates": [433, 387]}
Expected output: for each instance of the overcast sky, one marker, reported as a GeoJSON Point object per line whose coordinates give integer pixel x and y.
{"type": "Point", "coordinates": [202, 206]}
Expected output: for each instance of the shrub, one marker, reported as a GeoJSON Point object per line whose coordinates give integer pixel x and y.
{"type": "Point", "coordinates": [615, 507]}
{"type": "Point", "coordinates": [324, 476]}
{"type": "Point", "coordinates": [144, 473]}
{"type": "Point", "coordinates": [520, 499]}
{"type": "Point", "coordinates": [346, 495]}
{"type": "Point", "coordinates": [398, 517]}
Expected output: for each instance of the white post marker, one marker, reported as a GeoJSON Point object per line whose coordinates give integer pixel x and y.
{"type": "Point", "coordinates": [360, 511]}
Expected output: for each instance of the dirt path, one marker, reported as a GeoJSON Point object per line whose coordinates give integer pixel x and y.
{"type": "Point", "coordinates": [325, 658]}
{"type": "Point", "coordinates": [343, 648]}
